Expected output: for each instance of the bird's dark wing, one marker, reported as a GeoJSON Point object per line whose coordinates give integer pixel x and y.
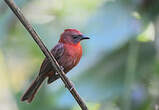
{"type": "Point", "coordinates": [57, 52]}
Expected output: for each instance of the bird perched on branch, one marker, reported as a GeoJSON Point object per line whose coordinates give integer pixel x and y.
{"type": "Point", "coordinates": [67, 52]}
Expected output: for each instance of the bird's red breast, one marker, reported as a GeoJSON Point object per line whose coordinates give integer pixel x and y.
{"type": "Point", "coordinates": [72, 55]}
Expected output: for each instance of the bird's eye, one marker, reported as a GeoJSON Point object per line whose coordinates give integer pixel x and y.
{"type": "Point", "coordinates": [75, 36]}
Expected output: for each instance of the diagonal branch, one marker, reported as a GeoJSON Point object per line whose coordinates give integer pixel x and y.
{"type": "Point", "coordinates": [46, 52]}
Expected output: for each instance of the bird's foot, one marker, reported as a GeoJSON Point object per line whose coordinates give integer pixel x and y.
{"type": "Point", "coordinates": [62, 68]}
{"type": "Point", "coordinates": [56, 73]}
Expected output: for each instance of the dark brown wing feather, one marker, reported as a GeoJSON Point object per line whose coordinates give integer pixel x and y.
{"type": "Point", "coordinates": [57, 52]}
{"type": "Point", "coordinates": [46, 70]}
{"type": "Point", "coordinates": [46, 67]}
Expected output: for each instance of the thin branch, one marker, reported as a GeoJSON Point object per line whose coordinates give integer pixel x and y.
{"type": "Point", "coordinates": [46, 52]}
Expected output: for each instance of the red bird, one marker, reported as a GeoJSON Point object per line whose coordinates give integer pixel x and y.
{"type": "Point", "coordinates": [67, 52]}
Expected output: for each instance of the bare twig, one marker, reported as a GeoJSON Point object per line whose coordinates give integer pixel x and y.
{"type": "Point", "coordinates": [46, 52]}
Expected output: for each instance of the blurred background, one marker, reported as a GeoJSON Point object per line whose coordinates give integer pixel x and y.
{"type": "Point", "coordinates": [119, 69]}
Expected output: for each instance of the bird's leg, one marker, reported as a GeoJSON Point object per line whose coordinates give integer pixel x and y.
{"type": "Point", "coordinates": [56, 73]}
{"type": "Point", "coordinates": [62, 68]}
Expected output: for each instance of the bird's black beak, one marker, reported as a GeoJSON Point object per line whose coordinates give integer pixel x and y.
{"type": "Point", "coordinates": [84, 37]}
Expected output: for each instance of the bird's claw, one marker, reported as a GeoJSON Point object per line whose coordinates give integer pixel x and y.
{"type": "Point", "coordinates": [62, 68]}
{"type": "Point", "coordinates": [56, 73]}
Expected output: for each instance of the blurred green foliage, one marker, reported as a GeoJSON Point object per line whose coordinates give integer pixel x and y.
{"type": "Point", "coordinates": [119, 69]}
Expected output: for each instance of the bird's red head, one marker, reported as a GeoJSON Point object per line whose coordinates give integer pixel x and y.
{"type": "Point", "coordinates": [72, 36]}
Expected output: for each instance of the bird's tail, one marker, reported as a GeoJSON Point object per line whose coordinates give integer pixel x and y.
{"type": "Point", "coordinates": [30, 93]}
